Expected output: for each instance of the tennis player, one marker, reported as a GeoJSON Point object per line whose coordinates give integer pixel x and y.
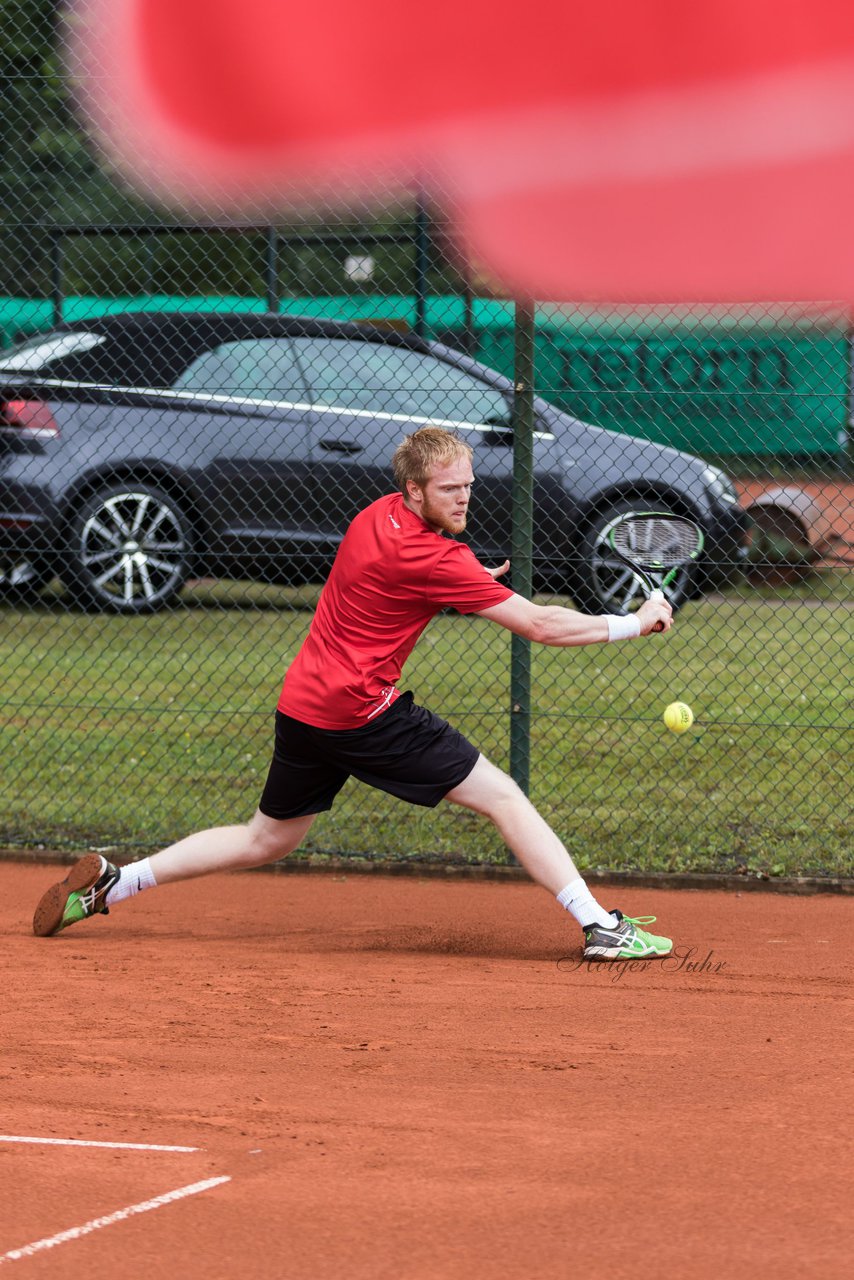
{"type": "Point", "coordinates": [342, 714]}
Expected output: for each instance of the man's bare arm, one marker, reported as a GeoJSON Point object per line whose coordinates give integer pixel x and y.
{"type": "Point", "coordinates": [555, 625]}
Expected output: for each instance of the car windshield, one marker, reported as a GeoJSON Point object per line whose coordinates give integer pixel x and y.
{"type": "Point", "coordinates": [38, 353]}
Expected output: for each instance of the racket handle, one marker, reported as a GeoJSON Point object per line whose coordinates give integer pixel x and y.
{"type": "Point", "coordinates": [658, 596]}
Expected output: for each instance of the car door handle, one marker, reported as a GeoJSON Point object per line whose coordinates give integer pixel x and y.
{"type": "Point", "coordinates": [340, 446]}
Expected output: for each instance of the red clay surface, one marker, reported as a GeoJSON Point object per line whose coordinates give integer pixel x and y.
{"type": "Point", "coordinates": [401, 1078]}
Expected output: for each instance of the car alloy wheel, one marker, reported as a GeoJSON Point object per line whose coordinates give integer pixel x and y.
{"type": "Point", "coordinates": [131, 549]}
{"type": "Point", "coordinates": [606, 584]}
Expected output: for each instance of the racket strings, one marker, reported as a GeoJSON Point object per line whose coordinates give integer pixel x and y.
{"type": "Point", "coordinates": [657, 543]}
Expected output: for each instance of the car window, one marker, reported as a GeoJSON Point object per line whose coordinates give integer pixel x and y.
{"type": "Point", "coordinates": [254, 369]}
{"type": "Point", "coordinates": [367, 375]}
{"type": "Point", "coordinates": [36, 353]}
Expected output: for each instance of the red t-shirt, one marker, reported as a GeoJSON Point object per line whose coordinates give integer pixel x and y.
{"type": "Point", "coordinates": [391, 575]}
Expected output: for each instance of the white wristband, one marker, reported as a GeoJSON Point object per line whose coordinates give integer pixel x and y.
{"type": "Point", "coordinates": [620, 628]}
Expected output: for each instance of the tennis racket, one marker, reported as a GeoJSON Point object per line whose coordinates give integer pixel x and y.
{"type": "Point", "coordinates": [655, 545]}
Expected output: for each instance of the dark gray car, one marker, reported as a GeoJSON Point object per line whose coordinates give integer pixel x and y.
{"type": "Point", "coordinates": [140, 450]}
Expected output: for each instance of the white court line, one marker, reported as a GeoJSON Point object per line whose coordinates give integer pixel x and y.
{"type": "Point", "coordinates": [74, 1233]}
{"type": "Point", "coordinates": [80, 1142]}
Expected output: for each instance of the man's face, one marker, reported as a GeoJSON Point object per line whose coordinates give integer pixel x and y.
{"type": "Point", "coordinates": [443, 501]}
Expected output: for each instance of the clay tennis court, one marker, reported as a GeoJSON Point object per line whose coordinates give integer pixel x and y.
{"type": "Point", "coordinates": [402, 1077]}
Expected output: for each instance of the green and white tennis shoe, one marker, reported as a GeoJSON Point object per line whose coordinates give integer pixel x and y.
{"type": "Point", "coordinates": [625, 941]}
{"type": "Point", "coordinates": [81, 894]}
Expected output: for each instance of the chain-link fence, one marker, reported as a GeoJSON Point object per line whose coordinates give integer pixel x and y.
{"type": "Point", "coordinates": [190, 416]}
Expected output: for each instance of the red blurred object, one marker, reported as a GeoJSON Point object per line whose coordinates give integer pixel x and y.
{"type": "Point", "coordinates": [621, 151]}
{"type": "Point", "coordinates": [32, 419]}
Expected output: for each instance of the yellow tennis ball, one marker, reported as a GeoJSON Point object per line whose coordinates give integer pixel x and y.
{"type": "Point", "coordinates": [678, 717]}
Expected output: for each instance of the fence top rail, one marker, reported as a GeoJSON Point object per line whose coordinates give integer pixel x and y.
{"type": "Point", "coordinates": [59, 231]}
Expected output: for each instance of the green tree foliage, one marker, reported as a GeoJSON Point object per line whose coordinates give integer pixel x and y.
{"type": "Point", "coordinates": [48, 168]}
{"type": "Point", "coordinates": [52, 175]}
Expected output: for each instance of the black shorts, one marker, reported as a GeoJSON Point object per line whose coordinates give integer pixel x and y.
{"type": "Point", "coordinates": [407, 751]}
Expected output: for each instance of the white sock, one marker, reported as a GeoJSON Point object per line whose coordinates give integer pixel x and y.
{"type": "Point", "coordinates": [577, 899]}
{"type": "Point", "coordinates": [135, 877]}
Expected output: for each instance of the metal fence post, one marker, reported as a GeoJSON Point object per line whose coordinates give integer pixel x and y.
{"type": "Point", "coordinates": [272, 269]}
{"type": "Point", "coordinates": [56, 273]}
{"type": "Point", "coordinates": [522, 539]}
{"type": "Point", "coordinates": [422, 263]}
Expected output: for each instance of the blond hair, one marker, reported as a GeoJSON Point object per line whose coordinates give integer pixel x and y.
{"type": "Point", "coordinates": [417, 455]}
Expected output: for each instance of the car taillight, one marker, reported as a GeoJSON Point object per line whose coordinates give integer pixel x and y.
{"type": "Point", "coordinates": [28, 419]}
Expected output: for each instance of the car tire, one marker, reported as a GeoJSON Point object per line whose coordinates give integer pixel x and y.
{"type": "Point", "coordinates": [129, 550]}
{"type": "Point", "coordinates": [22, 578]}
{"type": "Point", "coordinates": [602, 584]}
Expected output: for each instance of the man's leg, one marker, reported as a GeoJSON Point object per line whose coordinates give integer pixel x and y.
{"type": "Point", "coordinates": [230, 848]}
{"type": "Point", "coordinates": [608, 936]}
{"type": "Point", "coordinates": [491, 792]}
{"type": "Point", "coordinates": [93, 884]}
